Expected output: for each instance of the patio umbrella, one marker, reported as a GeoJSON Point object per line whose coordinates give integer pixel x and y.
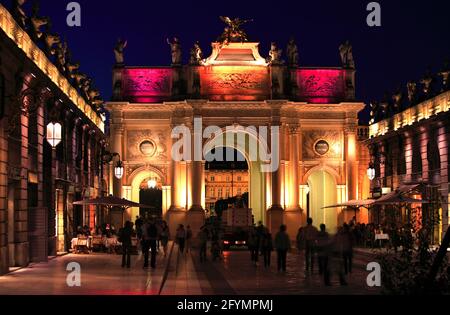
{"type": "Point", "coordinates": [111, 202]}
{"type": "Point", "coordinates": [353, 204]}
{"type": "Point", "coordinates": [396, 198]}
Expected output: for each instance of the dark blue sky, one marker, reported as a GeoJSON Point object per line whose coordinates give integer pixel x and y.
{"type": "Point", "coordinates": [413, 36]}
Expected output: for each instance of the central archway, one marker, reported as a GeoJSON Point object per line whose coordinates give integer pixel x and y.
{"type": "Point", "coordinates": [323, 193]}
{"type": "Point", "coordinates": [244, 141]}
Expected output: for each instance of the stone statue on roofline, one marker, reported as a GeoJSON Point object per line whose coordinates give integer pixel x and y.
{"type": "Point", "coordinates": [426, 82]}
{"type": "Point", "coordinates": [292, 53]}
{"type": "Point", "coordinates": [18, 13]}
{"type": "Point", "coordinates": [412, 90]}
{"type": "Point", "coordinates": [175, 48]}
{"type": "Point", "coordinates": [397, 98]}
{"type": "Point", "coordinates": [445, 75]}
{"type": "Point", "coordinates": [233, 33]}
{"type": "Point", "coordinates": [275, 55]}
{"type": "Point", "coordinates": [37, 22]}
{"type": "Point", "coordinates": [119, 51]}
{"type": "Point", "coordinates": [196, 55]}
{"type": "Point", "coordinates": [346, 52]}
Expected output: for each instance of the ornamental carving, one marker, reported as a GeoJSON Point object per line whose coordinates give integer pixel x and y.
{"type": "Point", "coordinates": [147, 82]}
{"type": "Point", "coordinates": [322, 144]}
{"type": "Point", "coordinates": [321, 86]}
{"type": "Point", "coordinates": [147, 144]}
{"type": "Point", "coordinates": [229, 81]}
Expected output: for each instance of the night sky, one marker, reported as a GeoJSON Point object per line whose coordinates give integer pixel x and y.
{"type": "Point", "coordinates": [414, 34]}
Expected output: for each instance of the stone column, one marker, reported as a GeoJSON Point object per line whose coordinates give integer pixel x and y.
{"type": "Point", "coordinates": [424, 137]}
{"type": "Point", "coordinates": [176, 214]}
{"type": "Point", "coordinates": [293, 214]}
{"type": "Point", "coordinates": [275, 213]}
{"type": "Point", "coordinates": [21, 214]}
{"type": "Point", "coordinates": [4, 259]}
{"type": "Point", "coordinates": [350, 159]}
{"type": "Point", "coordinates": [443, 143]}
{"type": "Point", "coordinates": [409, 152]}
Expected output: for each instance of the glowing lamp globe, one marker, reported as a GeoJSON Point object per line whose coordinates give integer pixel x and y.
{"type": "Point", "coordinates": [152, 183]}
{"type": "Point", "coordinates": [371, 173]}
{"type": "Point", "coordinates": [118, 170]}
{"type": "Point", "coordinates": [54, 134]}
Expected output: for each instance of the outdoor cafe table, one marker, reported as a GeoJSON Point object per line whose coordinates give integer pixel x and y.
{"type": "Point", "coordinates": [381, 237]}
{"type": "Point", "coordinates": [81, 242]}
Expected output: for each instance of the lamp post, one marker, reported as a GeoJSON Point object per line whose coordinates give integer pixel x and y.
{"type": "Point", "coordinates": [118, 169]}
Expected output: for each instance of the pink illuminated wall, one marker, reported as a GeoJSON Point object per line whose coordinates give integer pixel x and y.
{"type": "Point", "coordinates": [321, 86]}
{"type": "Point", "coordinates": [147, 85]}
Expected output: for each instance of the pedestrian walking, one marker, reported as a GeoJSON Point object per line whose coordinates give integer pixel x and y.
{"type": "Point", "coordinates": [282, 245]}
{"type": "Point", "coordinates": [347, 249]}
{"type": "Point", "coordinates": [188, 238]}
{"type": "Point", "coordinates": [203, 240]}
{"type": "Point", "coordinates": [181, 238]}
{"type": "Point", "coordinates": [337, 256]}
{"type": "Point", "coordinates": [252, 244]}
{"type": "Point", "coordinates": [323, 251]}
{"type": "Point", "coordinates": [153, 239]}
{"type": "Point", "coordinates": [125, 235]}
{"type": "Point", "coordinates": [267, 247]}
{"type": "Point", "coordinates": [310, 235]}
{"type": "Point", "coordinates": [164, 236]}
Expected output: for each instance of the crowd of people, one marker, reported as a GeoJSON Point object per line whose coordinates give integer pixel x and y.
{"type": "Point", "coordinates": [152, 235]}
{"type": "Point", "coordinates": [333, 254]}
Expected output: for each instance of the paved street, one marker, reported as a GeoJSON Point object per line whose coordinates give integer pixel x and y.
{"type": "Point", "coordinates": [101, 274]}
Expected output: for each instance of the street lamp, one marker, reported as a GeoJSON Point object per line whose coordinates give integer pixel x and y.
{"type": "Point", "coordinates": [371, 173]}
{"type": "Point", "coordinates": [108, 157]}
{"type": "Point", "coordinates": [54, 134]}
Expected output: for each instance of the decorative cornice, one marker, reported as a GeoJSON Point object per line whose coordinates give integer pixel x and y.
{"type": "Point", "coordinates": [32, 51]}
{"type": "Point", "coordinates": [419, 113]}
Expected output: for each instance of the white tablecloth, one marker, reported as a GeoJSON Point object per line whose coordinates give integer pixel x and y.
{"type": "Point", "coordinates": [382, 237]}
{"type": "Point", "coordinates": [81, 242]}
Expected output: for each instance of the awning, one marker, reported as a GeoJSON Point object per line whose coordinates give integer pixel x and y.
{"type": "Point", "coordinates": [398, 199]}
{"type": "Point", "coordinates": [407, 188]}
{"type": "Point", "coordinates": [110, 201]}
{"type": "Point", "coordinates": [353, 204]}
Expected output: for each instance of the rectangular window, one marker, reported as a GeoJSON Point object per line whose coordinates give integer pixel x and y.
{"type": "Point", "coordinates": [212, 179]}
{"type": "Point", "coordinates": [220, 193]}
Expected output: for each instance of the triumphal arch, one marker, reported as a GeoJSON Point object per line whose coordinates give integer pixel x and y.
{"type": "Point", "coordinates": [226, 100]}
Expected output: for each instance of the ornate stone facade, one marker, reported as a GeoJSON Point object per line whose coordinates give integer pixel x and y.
{"type": "Point", "coordinates": [314, 109]}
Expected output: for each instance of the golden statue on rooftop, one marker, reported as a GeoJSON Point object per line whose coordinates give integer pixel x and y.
{"type": "Point", "coordinates": [233, 33]}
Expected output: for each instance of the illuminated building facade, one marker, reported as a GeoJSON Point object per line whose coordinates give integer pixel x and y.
{"type": "Point", "coordinates": [322, 160]}
{"type": "Point", "coordinates": [409, 145]}
{"type": "Point", "coordinates": [224, 184]}
{"type": "Point", "coordinates": [43, 170]}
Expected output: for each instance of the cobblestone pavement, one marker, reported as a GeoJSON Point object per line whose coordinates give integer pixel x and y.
{"type": "Point", "coordinates": [101, 274]}
{"type": "Point", "coordinates": [180, 274]}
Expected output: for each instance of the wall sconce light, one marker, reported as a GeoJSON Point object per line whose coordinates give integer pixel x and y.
{"type": "Point", "coordinates": [371, 173]}
{"type": "Point", "coordinates": [54, 134]}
